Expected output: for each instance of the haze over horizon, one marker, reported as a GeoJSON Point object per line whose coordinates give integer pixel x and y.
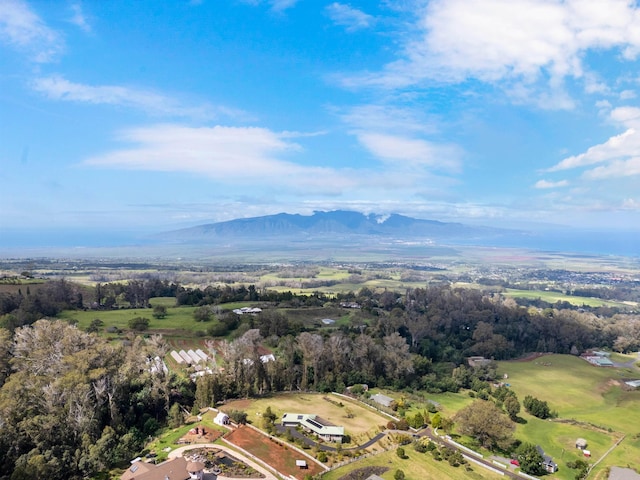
{"type": "Point", "coordinates": [128, 118]}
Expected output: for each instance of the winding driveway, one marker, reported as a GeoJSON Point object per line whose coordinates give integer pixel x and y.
{"type": "Point", "coordinates": [321, 446]}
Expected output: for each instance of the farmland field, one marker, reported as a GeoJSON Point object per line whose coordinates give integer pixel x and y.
{"type": "Point", "coordinates": [593, 398]}
{"type": "Point", "coordinates": [178, 319]}
{"type": "Point", "coordinates": [553, 297]}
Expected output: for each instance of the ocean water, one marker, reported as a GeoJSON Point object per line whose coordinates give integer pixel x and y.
{"type": "Point", "coordinates": [16, 243]}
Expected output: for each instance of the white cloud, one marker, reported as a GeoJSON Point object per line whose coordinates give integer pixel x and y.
{"type": "Point", "coordinates": [617, 151]}
{"type": "Point", "coordinates": [57, 87]}
{"type": "Point", "coordinates": [79, 19]}
{"type": "Point", "coordinates": [282, 5]}
{"type": "Point", "coordinates": [631, 204]}
{"type": "Point", "coordinates": [389, 118]}
{"type": "Point", "coordinates": [347, 16]}
{"type": "Point", "coordinates": [216, 151]}
{"type": "Point", "coordinates": [403, 150]}
{"type": "Point", "coordinates": [615, 169]}
{"type": "Point", "coordinates": [533, 43]}
{"type": "Point", "coordinates": [544, 184]}
{"type": "Point", "coordinates": [252, 157]}
{"type": "Point", "coordinates": [246, 155]}
{"type": "Point", "coordinates": [277, 6]}
{"type": "Point", "coordinates": [23, 29]}
{"type": "Point", "coordinates": [627, 95]}
{"type": "Point", "coordinates": [393, 135]}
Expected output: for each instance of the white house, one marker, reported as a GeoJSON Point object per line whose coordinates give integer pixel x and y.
{"type": "Point", "coordinates": [314, 424]}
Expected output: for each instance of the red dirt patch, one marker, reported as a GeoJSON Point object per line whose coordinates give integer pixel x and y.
{"type": "Point", "coordinates": [196, 436]}
{"type": "Point", "coordinates": [272, 452]}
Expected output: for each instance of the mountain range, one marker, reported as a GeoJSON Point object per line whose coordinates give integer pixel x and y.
{"type": "Point", "coordinates": [334, 225]}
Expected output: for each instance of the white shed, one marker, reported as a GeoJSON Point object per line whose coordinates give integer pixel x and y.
{"type": "Point", "coordinates": [221, 419]}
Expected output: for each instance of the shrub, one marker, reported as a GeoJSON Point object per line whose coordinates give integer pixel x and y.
{"type": "Point", "coordinates": [402, 424]}
{"type": "Point", "coordinates": [238, 416]}
{"type": "Point", "coordinates": [357, 389]}
{"type": "Point", "coordinates": [401, 453]}
{"type": "Point", "coordinates": [537, 408]}
{"type": "Point", "coordinates": [139, 323]}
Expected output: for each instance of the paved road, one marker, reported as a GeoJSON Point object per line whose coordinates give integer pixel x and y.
{"type": "Point", "coordinates": [628, 364]}
{"type": "Point", "coordinates": [426, 432]}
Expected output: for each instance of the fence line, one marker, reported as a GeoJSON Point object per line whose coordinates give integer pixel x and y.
{"type": "Point", "coordinates": [254, 458]}
{"type": "Point", "coordinates": [484, 465]}
{"type": "Point", "coordinates": [462, 447]}
{"type": "Point", "coordinates": [530, 477]}
{"type": "Point", "coordinates": [288, 445]}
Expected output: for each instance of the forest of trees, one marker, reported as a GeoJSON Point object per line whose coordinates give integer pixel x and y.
{"type": "Point", "coordinates": [73, 404]}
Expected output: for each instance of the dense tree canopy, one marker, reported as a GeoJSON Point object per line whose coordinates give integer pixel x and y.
{"type": "Point", "coordinates": [485, 422]}
{"type": "Point", "coordinates": [530, 459]}
{"type": "Point", "coordinates": [73, 403]}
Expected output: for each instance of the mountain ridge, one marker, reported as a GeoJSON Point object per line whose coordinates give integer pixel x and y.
{"type": "Point", "coordinates": [329, 224]}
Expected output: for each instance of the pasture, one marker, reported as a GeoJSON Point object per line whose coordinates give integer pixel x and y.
{"type": "Point", "coordinates": [593, 399]}
{"type": "Point", "coordinates": [553, 297]}
{"type": "Point", "coordinates": [178, 322]}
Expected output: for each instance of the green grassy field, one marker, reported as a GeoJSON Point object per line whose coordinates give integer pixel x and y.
{"type": "Point", "coordinates": [179, 320]}
{"type": "Point", "coordinates": [163, 301]}
{"type": "Point", "coordinates": [447, 403]}
{"type": "Point", "coordinates": [592, 397]}
{"type": "Point", "coordinates": [553, 297]}
{"type": "Point", "coordinates": [418, 466]}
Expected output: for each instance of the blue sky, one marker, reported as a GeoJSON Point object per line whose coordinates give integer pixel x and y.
{"type": "Point", "coordinates": [146, 116]}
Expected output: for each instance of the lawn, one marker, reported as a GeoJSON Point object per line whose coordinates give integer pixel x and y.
{"type": "Point", "coordinates": [417, 466]}
{"type": "Point", "coordinates": [553, 297]}
{"type": "Point", "coordinates": [179, 320]}
{"type": "Point", "coordinates": [358, 421]}
{"type": "Point", "coordinates": [558, 440]}
{"type": "Point", "coordinates": [447, 403]}
{"type": "Point", "coordinates": [593, 397]}
{"type": "Point", "coordinates": [163, 301]}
